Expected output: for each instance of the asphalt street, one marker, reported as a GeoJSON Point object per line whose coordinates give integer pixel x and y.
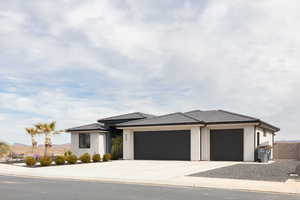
{"type": "Point", "coordinates": [18, 188]}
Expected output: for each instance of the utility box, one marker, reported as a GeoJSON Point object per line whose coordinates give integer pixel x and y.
{"type": "Point", "coordinates": [263, 154]}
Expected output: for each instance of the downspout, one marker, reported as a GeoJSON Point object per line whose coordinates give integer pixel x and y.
{"type": "Point", "coordinates": [200, 143]}
{"type": "Point", "coordinates": [255, 127]}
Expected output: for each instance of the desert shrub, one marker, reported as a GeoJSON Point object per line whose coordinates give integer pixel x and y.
{"type": "Point", "coordinates": [71, 159]}
{"type": "Point", "coordinates": [60, 160]}
{"type": "Point", "coordinates": [4, 149]}
{"type": "Point", "coordinates": [117, 148]}
{"type": "Point", "coordinates": [46, 161]}
{"type": "Point", "coordinates": [85, 158]}
{"type": "Point", "coordinates": [96, 158]}
{"type": "Point", "coordinates": [68, 153]}
{"type": "Point", "coordinates": [106, 157]}
{"type": "Point", "coordinates": [30, 161]}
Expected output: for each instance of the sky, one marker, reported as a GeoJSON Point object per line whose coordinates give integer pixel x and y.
{"type": "Point", "coordinates": [76, 61]}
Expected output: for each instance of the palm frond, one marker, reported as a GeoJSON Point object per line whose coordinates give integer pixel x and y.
{"type": "Point", "coordinates": [52, 125]}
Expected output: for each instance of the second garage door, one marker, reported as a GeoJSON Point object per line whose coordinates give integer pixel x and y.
{"type": "Point", "coordinates": [226, 145]}
{"type": "Point", "coordinates": [162, 145]}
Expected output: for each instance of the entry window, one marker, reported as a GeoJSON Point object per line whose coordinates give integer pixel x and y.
{"type": "Point", "coordinates": [84, 141]}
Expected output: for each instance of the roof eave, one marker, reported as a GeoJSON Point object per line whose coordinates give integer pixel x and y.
{"type": "Point", "coordinates": [70, 130]}
{"type": "Point", "coordinates": [164, 124]}
{"type": "Point", "coordinates": [269, 126]}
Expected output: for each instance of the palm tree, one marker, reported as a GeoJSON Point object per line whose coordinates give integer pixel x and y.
{"type": "Point", "coordinates": [48, 130]}
{"type": "Point", "coordinates": [32, 132]}
{"type": "Point", "coordinates": [4, 149]}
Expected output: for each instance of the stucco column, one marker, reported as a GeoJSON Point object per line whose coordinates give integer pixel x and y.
{"type": "Point", "coordinates": [205, 143]}
{"type": "Point", "coordinates": [128, 145]}
{"type": "Point", "coordinates": [249, 143]}
{"type": "Point", "coordinates": [195, 143]}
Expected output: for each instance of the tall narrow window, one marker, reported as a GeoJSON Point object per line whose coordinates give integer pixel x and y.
{"type": "Point", "coordinates": [84, 141]}
{"type": "Point", "coordinates": [258, 139]}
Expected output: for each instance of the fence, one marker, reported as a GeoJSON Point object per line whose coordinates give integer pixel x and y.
{"type": "Point", "coordinates": [287, 151]}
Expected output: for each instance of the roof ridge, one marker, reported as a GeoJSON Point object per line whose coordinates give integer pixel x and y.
{"type": "Point", "coordinates": [193, 111]}
{"type": "Point", "coordinates": [192, 118]}
{"type": "Point", "coordinates": [239, 114]}
{"type": "Point", "coordinates": [96, 123]}
{"type": "Point", "coordinates": [155, 117]}
{"type": "Point", "coordinates": [144, 114]}
{"type": "Point", "coordinates": [120, 115]}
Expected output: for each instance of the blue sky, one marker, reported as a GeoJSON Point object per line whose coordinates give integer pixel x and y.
{"type": "Point", "coordinates": [77, 61]}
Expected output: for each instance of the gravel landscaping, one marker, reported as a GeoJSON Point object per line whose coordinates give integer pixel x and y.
{"type": "Point", "coordinates": [277, 171]}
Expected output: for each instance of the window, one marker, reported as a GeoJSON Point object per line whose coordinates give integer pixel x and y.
{"type": "Point", "coordinates": [84, 141]}
{"type": "Point", "coordinates": [257, 139]}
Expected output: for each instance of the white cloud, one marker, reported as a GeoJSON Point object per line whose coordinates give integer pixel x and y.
{"type": "Point", "coordinates": [152, 56]}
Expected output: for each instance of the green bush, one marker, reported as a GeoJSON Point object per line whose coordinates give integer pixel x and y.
{"type": "Point", "coordinates": [30, 161]}
{"type": "Point", "coordinates": [46, 161]}
{"type": "Point", "coordinates": [96, 158]}
{"type": "Point", "coordinates": [115, 156]}
{"type": "Point", "coordinates": [117, 148]}
{"type": "Point", "coordinates": [68, 153]}
{"type": "Point", "coordinates": [72, 159]}
{"type": "Point", "coordinates": [85, 158]}
{"type": "Point", "coordinates": [60, 160]}
{"type": "Point", "coordinates": [106, 157]}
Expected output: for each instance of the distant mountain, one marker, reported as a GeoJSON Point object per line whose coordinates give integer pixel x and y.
{"type": "Point", "coordinates": [20, 145]}
{"type": "Point", "coordinates": [27, 149]}
{"type": "Point", "coordinates": [67, 145]}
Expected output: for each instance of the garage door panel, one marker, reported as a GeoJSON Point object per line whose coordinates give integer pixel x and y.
{"type": "Point", "coordinates": [162, 145]}
{"type": "Point", "coordinates": [226, 145]}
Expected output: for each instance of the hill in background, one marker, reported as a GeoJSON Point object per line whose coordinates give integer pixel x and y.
{"type": "Point", "coordinates": [56, 149]}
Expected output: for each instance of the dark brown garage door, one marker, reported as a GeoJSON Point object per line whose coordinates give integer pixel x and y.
{"type": "Point", "coordinates": [162, 145]}
{"type": "Point", "coordinates": [227, 145]}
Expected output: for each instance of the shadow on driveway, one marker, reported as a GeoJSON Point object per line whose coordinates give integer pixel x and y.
{"type": "Point", "coordinates": [277, 171]}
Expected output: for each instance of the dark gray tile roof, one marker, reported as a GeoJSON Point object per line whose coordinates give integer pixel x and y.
{"type": "Point", "coordinates": [196, 116]}
{"type": "Point", "coordinates": [219, 116]}
{"type": "Point", "coordinates": [88, 127]}
{"type": "Point", "coordinates": [170, 119]}
{"type": "Point", "coordinates": [135, 115]}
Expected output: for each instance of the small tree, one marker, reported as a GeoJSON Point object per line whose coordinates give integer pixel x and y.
{"type": "Point", "coordinates": [48, 130]}
{"type": "Point", "coordinates": [33, 133]}
{"type": "Point", "coordinates": [4, 149]}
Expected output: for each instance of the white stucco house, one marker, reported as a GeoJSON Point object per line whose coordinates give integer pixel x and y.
{"type": "Point", "coordinates": [194, 135]}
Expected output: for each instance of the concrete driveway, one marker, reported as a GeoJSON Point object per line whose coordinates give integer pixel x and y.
{"type": "Point", "coordinates": [121, 170]}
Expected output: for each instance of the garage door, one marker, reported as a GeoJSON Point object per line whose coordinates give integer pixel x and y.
{"type": "Point", "coordinates": [227, 145]}
{"type": "Point", "coordinates": [162, 145]}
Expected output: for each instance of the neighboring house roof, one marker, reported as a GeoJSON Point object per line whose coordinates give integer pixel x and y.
{"type": "Point", "coordinates": [88, 127]}
{"type": "Point", "coordinates": [128, 116]}
{"type": "Point", "coordinates": [196, 117]}
{"type": "Point", "coordinates": [169, 119]}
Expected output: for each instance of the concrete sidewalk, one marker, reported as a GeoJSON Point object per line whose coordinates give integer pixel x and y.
{"type": "Point", "coordinates": [172, 173]}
